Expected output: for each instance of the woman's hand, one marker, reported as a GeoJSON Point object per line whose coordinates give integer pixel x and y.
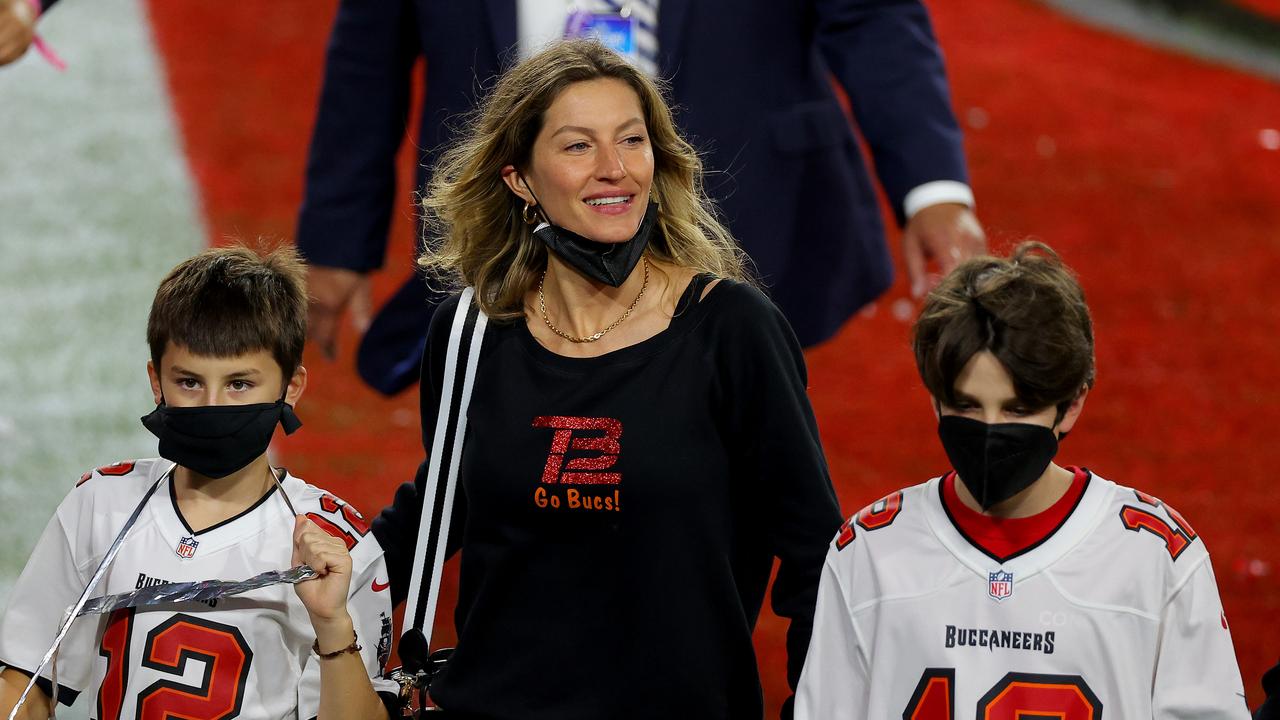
{"type": "Point", "coordinates": [325, 597]}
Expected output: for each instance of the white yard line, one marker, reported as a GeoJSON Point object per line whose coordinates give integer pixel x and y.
{"type": "Point", "coordinates": [96, 204]}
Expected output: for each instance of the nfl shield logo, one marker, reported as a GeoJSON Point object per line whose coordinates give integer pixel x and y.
{"type": "Point", "coordinates": [187, 547]}
{"type": "Point", "coordinates": [1000, 585]}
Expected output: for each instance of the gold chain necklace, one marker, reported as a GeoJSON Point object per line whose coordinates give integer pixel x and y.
{"type": "Point", "coordinates": [542, 306]}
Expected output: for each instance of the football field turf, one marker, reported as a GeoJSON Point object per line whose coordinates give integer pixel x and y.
{"type": "Point", "coordinates": [1154, 174]}
{"type": "Point", "coordinates": [95, 205]}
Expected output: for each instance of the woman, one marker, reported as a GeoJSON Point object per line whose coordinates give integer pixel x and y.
{"type": "Point", "coordinates": [639, 444]}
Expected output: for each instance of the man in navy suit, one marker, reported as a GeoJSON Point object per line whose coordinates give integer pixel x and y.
{"type": "Point", "coordinates": [751, 83]}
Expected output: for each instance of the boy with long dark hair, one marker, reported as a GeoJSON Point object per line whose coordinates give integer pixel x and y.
{"type": "Point", "coordinates": [1013, 584]}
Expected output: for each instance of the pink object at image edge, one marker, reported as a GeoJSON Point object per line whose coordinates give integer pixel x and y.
{"type": "Point", "coordinates": [42, 47]}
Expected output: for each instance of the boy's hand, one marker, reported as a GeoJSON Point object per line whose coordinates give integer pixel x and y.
{"type": "Point", "coordinates": [325, 597]}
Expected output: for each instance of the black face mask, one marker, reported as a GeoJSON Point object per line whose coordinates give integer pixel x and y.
{"type": "Point", "coordinates": [217, 440]}
{"type": "Point", "coordinates": [996, 462]}
{"type": "Point", "coordinates": [608, 263]}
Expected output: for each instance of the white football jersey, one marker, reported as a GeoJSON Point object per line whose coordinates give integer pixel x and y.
{"type": "Point", "coordinates": [1115, 615]}
{"type": "Point", "coordinates": [245, 656]}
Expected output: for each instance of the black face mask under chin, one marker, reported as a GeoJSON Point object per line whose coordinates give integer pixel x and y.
{"type": "Point", "coordinates": [608, 263]}
{"type": "Point", "coordinates": [217, 440]}
{"type": "Point", "coordinates": [996, 461]}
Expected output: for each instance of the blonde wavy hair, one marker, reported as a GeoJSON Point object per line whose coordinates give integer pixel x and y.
{"type": "Point", "coordinates": [475, 233]}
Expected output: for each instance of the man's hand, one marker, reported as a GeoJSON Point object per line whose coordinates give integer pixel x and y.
{"type": "Point", "coordinates": [17, 29]}
{"type": "Point", "coordinates": [948, 234]}
{"type": "Point", "coordinates": [333, 291]}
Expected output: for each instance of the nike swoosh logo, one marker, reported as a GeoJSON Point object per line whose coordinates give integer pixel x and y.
{"type": "Point", "coordinates": [379, 587]}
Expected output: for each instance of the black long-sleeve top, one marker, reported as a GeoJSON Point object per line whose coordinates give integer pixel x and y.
{"type": "Point", "coordinates": [618, 516]}
{"type": "Point", "coordinates": [1270, 707]}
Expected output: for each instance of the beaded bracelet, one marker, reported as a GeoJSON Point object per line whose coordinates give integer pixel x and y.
{"type": "Point", "coordinates": [354, 647]}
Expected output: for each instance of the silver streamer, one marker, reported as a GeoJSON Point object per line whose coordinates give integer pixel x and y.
{"type": "Point", "coordinates": [194, 591]}
{"type": "Point", "coordinates": [154, 595]}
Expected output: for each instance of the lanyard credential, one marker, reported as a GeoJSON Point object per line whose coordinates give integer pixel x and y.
{"type": "Point", "coordinates": [628, 27]}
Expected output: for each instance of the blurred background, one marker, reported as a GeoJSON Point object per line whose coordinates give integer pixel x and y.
{"type": "Point", "coordinates": [1141, 138]}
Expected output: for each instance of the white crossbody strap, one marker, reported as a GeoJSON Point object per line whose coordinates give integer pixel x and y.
{"type": "Point", "coordinates": [461, 359]}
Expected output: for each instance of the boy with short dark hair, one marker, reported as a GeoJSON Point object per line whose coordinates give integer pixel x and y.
{"type": "Point", "coordinates": [1014, 585]}
{"type": "Point", "coordinates": [226, 331]}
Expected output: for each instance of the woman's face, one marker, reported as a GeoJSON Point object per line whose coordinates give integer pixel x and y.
{"type": "Point", "coordinates": [592, 165]}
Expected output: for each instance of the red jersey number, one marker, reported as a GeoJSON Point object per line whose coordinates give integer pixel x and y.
{"type": "Point", "coordinates": [337, 508]}
{"type": "Point", "coordinates": [935, 696]}
{"type": "Point", "coordinates": [115, 648]}
{"type": "Point", "coordinates": [168, 649]}
{"type": "Point", "coordinates": [1177, 537]}
{"type": "Point", "coordinates": [880, 513]}
{"type": "Point", "coordinates": [1016, 696]}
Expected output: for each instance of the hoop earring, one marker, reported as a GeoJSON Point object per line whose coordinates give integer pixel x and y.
{"type": "Point", "coordinates": [529, 214]}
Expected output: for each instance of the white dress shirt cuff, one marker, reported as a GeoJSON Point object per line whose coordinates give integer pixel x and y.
{"type": "Point", "coordinates": [935, 193]}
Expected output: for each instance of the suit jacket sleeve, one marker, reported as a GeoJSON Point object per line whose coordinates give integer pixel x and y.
{"type": "Point", "coordinates": [350, 180]}
{"type": "Point", "coordinates": [884, 54]}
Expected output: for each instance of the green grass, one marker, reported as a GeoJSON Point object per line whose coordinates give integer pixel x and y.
{"type": "Point", "coordinates": [96, 205]}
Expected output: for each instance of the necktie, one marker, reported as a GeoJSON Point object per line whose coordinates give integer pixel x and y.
{"type": "Point", "coordinates": [645, 14]}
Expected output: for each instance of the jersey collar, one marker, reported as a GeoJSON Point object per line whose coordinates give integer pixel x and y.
{"type": "Point", "coordinates": [1089, 511]}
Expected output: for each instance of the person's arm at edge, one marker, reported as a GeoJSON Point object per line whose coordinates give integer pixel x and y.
{"type": "Point", "coordinates": [887, 59]}
{"type": "Point", "coordinates": [346, 692]}
{"type": "Point", "coordinates": [1196, 673]}
{"type": "Point", "coordinates": [834, 680]}
{"type": "Point", "coordinates": [768, 382]}
{"type": "Point", "coordinates": [50, 581]}
{"type": "Point", "coordinates": [17, 29]}
{"type": "Point", "coordinates": [350, 188]}
{"type": "Point", "coordinates": [12, 683]}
